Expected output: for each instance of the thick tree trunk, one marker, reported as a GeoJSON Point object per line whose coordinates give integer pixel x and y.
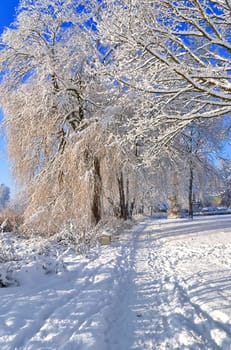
{"type": "Point", "coordinates": [122, 201]}
{"type": "Point", "coordinates": [97, 189]}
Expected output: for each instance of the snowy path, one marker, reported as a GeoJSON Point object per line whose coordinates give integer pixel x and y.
{"type": "Point", "coordinates": [163, 285]}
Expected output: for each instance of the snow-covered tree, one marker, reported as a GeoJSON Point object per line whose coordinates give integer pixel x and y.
{"type": "Point", "coordinates": [198, 145]}
{"type": "Point", "coordinates": [225, 166]}
{"type": "Point", "coordinates": [47, 70]}
{"type": "Point", "coordinates": [176, 55]}
{"type": "Point", "coordinates": [62, 137]}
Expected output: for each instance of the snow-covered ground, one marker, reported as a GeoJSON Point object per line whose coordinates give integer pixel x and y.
{"type": "Point", "coordinates": [162, 285]}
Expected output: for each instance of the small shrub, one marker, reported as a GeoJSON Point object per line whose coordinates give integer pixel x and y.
{"type": "Point", "coordinates": [9, 262]}
{"type": "Point", "coordinates": [82, 239]}
{"type": "Point", "coordinates": [11, 219]}
{"type": "Point", "coordinates": [6, 275]}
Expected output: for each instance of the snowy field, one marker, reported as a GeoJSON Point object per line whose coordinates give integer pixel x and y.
{"type": "Point", "coordinates": [165, 284]}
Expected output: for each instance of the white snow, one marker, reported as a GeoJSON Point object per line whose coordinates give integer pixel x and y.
{"type": "Point", "coordinates": [165, 284]}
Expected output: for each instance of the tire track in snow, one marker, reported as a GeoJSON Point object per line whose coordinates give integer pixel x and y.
{"type": "Point", "coordinates": [69, 306]}
{"type": "Point", "coordinates": [182, 314]}
{"type": "Point", "coordinates": [24, 336]}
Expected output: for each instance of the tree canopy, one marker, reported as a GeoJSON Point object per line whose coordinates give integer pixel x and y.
{"type": "Point", "coordinates": [176, 54]}
{"type": "Point", "coordinates": [94, 90]}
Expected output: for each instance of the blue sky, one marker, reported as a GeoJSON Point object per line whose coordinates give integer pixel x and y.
{"type": "Point", "coordinates": [7, 15]}
{"type": "Point", "coordinates": [7, 12]}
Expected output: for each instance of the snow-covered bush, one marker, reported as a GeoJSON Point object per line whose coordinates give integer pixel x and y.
{"type": "Point", "coordinates": [9, 262]}
{"type": "Point", "coordinates": [6, 274]}
{"type": "Point", "coordinates": [81, 238]}
{"type": "Point", "coordinates": [11, 219]}
{"type": "Point", "coordinates": [19, 255]}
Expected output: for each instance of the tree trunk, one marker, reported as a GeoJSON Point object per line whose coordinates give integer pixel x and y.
{"type": "Point", "coordinates": [122, 201]}
{"type": "Point", "coordinates": [190, 193]}
{"type": "Point", "coordinates": [97, 183]}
